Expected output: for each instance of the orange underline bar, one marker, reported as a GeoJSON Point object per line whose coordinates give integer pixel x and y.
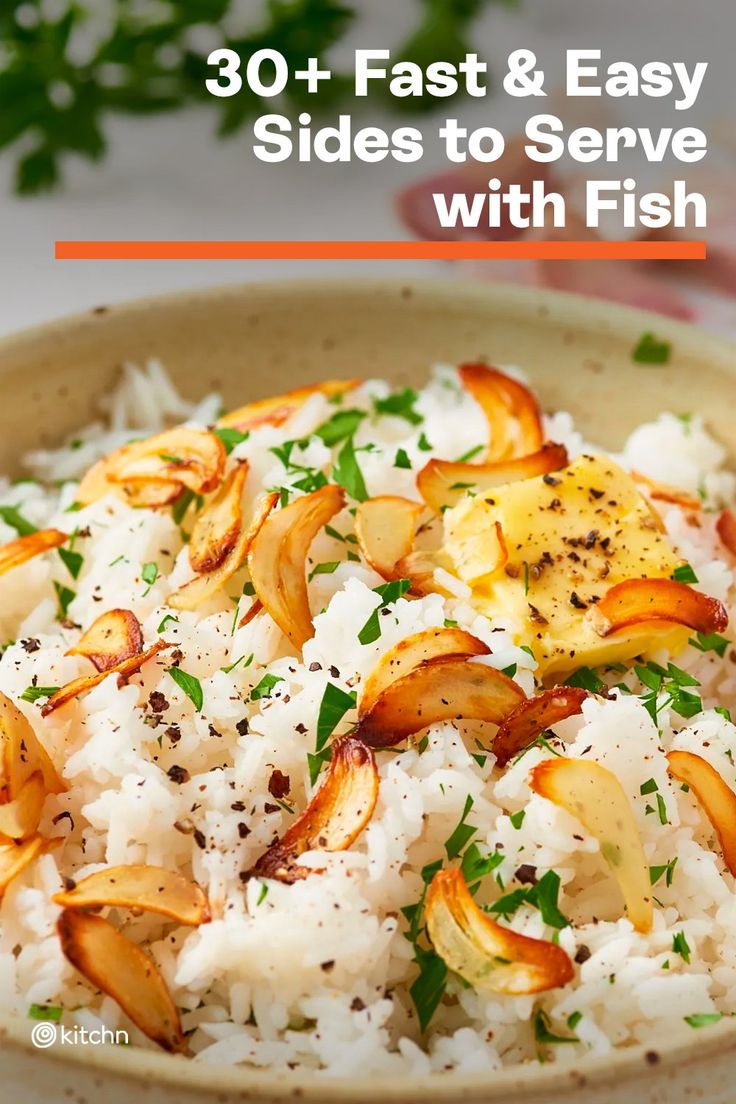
{"type": "Point", "coordinates": [379, 250]}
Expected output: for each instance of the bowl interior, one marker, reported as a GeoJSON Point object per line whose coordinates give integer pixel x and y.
{"type": "Point", "coordinates": [254, 341]}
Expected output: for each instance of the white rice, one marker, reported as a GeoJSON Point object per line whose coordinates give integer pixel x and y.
{"type": "Point", "coordinates": [316, 975]}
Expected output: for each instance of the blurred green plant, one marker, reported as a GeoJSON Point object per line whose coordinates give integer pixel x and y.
{"type": "Point", "coordinates": [64, 72]}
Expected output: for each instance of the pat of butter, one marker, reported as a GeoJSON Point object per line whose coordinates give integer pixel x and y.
{"type": "Point", "coordinates": [569, 536]}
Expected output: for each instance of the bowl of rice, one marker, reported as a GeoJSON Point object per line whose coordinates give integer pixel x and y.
{"type": "Point", "coordinates": [366, 692]}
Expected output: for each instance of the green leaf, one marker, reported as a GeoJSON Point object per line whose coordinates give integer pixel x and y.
{"type": "Point", "coordinates": [149, 573]}
{"type": "Point", "coordinates": [169, 618]}
{"type": "Point", "coordinates": [468, 456]}
{"type": "Point", "coordinates": [231, 437]}
{"type": "Point", "coordinates": [428, 989]}
{"type": "Point", "coordinates": [389, 592]}
{"type": "Point", "coordinates": [348, 474]}
{"type": "Point", "coordinates": [33, 693]}
{"type": "Point", "coordinates": [12, 517]}
{"type": "Point", "coordinates": [264, 687]}
{"type": "Point", "coordinates": [476, 865]}
{"type": "Point", "coordinates": [333, 707]}
{"type": "Point", "coordinates": [340, 426]}
{"type": "Point", "coordinates": [65, 597]}
{"type": "Point", "coordinates": [680, 946]}
{"type": "Point", "coordinates": [462, 834]}
{"type": "Point", "coordinates": [72, 560]}
{"type": "Point", "coordinates": [50, 1012]}
{"type": "Point", "coordinates": [544, 1035]}
{"type": "Point", "coordinates": [315, 762]}
{"type": "Point", "coordinates": [648, 787]}
{"type": "Point", "coordinates": [401, 405]}
{"type": "Point", "coordinates": [423, 444]}
{"type": "Point", "coordinates": [191, 686]}
{"type": "Point", "coordinates": [517, 819]}
{"type": "Point", "coordinates": [324, 569]}
{"type": "Point", "coordinates": [544, 896]}
{"type": "Point", "coordinates": [711, 642]}
{"type": "Point", "coordinates": [401, 460]}
{"type": "Point", "coordinates": [586, 679]}
{"type": "Point", "coordinates": [684, 574]}
{"type": "Point", "coordinates": [650, 350]}
{"type": "Point", "coordinates": [703, 1019]}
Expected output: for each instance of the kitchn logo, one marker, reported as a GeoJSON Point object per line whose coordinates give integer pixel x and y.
{"type": "Point", "coordinates": [47, 1034]}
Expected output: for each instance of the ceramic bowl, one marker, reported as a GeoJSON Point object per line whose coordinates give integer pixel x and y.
{"type": "Point", "coordinates": [257, 340]}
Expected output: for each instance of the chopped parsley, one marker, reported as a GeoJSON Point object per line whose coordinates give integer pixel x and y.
{"type": "Point", "coordinates": [347, 472]}
{"type": "Point", "coordinates": [401, 460]}
{"type": "Point", "coordinates": [680, 946]}
{"type": "Point", "coordinates": [517, 819]}
{"type": "Point", "coordinates": [263, 894]}
{"type": "Point", "coordinates": [389, 592]}
{"type": "Point", "coordinates": [462, 834]}
{"type": "Point", "coordinates": [12, 517]}
{"type": "Point", "coordinates": [467, 456]}
{"type": "Point", "coordinates": [264, 687]}
{"type": "Point", "coordinates": [340, 426]}
{"type": "Point", "coordinates": [50, 1012]}
{"type": "Point", "coordinates": [684, 574]}
{"type": "Point", "coordinates": [586, 679]}
{"type": "Point", "coordinates": [324, 569]}
{"type": "Point", "coordinates": [657, 872]}
{"type": "Point", "coordinates": [543, 895]}
{"type": "Point", "coordinates": [711, 642]}
{"type": "Point", "coordinates": [73, 561]}
{"type": "Point", "coordinates": [65, 597]}
{"type": "Point", "coordinates": [231, 437]}
{"type": "Point", "coordinates": [33, 693]}
{"type": "Point", "coordinates": [650, 350]}
{"type": "Point", "coordinates": [149, 574]}
{"type": "Point", "coordinates": [169, 618]}
{"type": "Point", "coordinates": [333, 707]}
{"type": "Point", "coordinates": [423, 444]}
{"type": "Point", "coordinates": [401, 405]}
{"type": "Point", "coordinates": [191, 686]}
{"type": "Point", "coordinates": [703, 1019]}
{"type": "Point", "coordinates": [428, 989]}
{"type": "Point", "coordinates": [543, 1033]}
{"type": "Point", "coordinates": [475, 865]}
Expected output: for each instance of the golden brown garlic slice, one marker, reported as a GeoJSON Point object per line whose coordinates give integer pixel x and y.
{"type": "Point", "coordinates": [278, 555]}
{"type": "Point", "coordinates": [22, 754]}
{"type": "Point", "coordinates": [219, 524]}
{"type": "Point", "coordinates": [487, 955]}
{"type": "Point", "coordinates": [204, 587]}
{"type": "Point", "coordinates": [386, 528]}
{"type": "Point", "coordinates": [443, 689]}
{"type": "Point", "coordinates": [138, 886]}
{"type": "Point", "coordinates": [642, 601]}
{"type": "Point", "coordinates": [124, 972]}
{"type": "Point", "coordinates": [512, 412]}
{"type": "Point", "coordinates": [411, 652]}
{"type": "Point", "coordinates": [533, 716]}
{"type": "Point", "coordinates": [23, 549]}
{"type": "Point", "coordinates": [666, 492]}
{"type": "Point", "coordinates": [716, 798]}
{"type": "Point", "coordinates": [276, 410]}
{"type": "Point", "coordinates": [442, 483]}
{"type": "Point", "coordinates": [333, 819]}
{"type": "Point", "coordinates": [594, 796]}
{"type": "Point", "coordinates": [20, 817]}
{"type": "Point", "coordinates": [16, 857]}
{"type": "Point", "coordinates": [114, 637]}
{"type": "Point", "coordinates": [80, 686]}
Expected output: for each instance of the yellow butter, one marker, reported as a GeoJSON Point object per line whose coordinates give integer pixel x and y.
{"type": "Point", "coordinates": [570, 536]}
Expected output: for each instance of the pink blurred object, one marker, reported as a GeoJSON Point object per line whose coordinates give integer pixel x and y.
{"type": "Point", "coordinates": [647, 285]}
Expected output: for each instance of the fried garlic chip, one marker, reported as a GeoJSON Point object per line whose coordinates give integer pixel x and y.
{"type": "Point", "coordinates": [442, 483]}
{"type": "Point", "coordinates": [595, 797]}
{"type": "Point", "coordinates": [484, 953]}
{"type": "Point", "coordinates": [716, 798]}
{"type": "Point", "coordinates": [22, 754]}
{"type": "Point", "coordinates": [642, 601]}
{"type": "Point", "coordinates": [532, 717]}
{"type": "Point", "coordinates": [80, 686]}
{"type": "Point", "coordinates": [218, 525]}
{"type": "Point", "coordinates": [150, 888]}
{"type": "Point", "coordinates": [385, 528]}
{"type": "Point", "coordinates": [114, 637]}
{"type": "Point", "coordinates": [333, 819]}
{"type": "Point", "coordinates": [23, 549]}
{"type": "Point", "coordinates": [278, 556]}
{"type": "Point", "coordinates": [513, 415]}
{"type": "Point", "coordinates": [124, 972]}
{"type": "Point", "coordinates": [278, 409]}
